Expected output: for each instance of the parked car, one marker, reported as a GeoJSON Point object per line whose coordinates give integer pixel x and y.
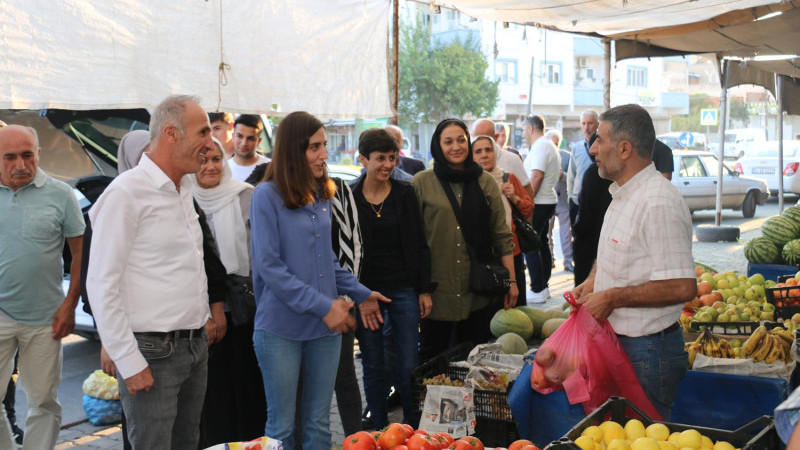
{"type": "Point", "coordinates": [695, 176]}
{"type": "Point", "coordinates": [738, 141]}
{"type": "Point", "coordinates": [673, 141]}
{"type": "Point", "coordinates": [762, 161]}
{"type": "Point", "coordinates": [344, 172]}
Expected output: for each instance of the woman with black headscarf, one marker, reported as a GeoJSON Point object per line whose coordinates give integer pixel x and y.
{"type": "Point", "coordinates": [459, 315]}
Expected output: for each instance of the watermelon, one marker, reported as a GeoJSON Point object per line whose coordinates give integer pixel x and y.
{"type": "Point", "coordinates": [511, 321]}
{"type": "Point", "coordinates": [512, 344]}
{"type": "Point", "coordinates": [792, 212]}
{"type": "Point", "coordinates": [537, 316]}
{"type": "Point", "coordinates": [780, 229]}
{"type": "Point", "coordinates": [551, 326]}
{"type": "Point", "coordinates": [762, 250]}
{"type": "Point", "coordinates": [791, 252]}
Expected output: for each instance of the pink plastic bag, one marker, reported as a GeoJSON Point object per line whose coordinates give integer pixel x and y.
{"type": "Point", "coordinates": [585, 360]}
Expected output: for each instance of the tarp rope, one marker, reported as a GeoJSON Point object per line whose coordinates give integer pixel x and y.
{"type": "Point", "coordinates": [223, 66]}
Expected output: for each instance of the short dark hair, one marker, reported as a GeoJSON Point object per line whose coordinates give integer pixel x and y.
{"type": "Point", "coordinates": [632, 123]}
{"type": "Point", "coordinates": [376, 140]}
{"type": "Point", "coordinates": [249, 120]}
{"type": "Point", "coordinates": [536, 122]}
{"type": "Point", "coordinates": [224, 117]}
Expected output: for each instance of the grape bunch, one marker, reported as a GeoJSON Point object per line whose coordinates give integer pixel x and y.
{"type": "Point", "coordinates": [442, 380]}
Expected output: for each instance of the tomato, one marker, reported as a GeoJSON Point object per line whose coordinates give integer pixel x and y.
{"type": "Point", "coordinates": [360, 441]}
{"type": "Point", "coordinates": [530, 447]}
{"type": "Point", "coordinates": [409, 429]}
{"type": "Point", "coordinates": [470, 443]}
{"type": "Point", "coordinates": [422, 442]}
{"type": "Point", "coordinates": [445, 438]}
{"type": "Point", "coordinates": [393, 435]}
{"type": "Point", "coordinates": [421, 432]}
{"type": "Point", "coordinates": [399, 447]}
{"type": "Point", "coordinates": [519, 444]}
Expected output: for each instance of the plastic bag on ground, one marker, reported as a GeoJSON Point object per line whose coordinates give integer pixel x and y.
{"type": "Point", "coordinates": [102, 412]}
{"type": "Point", "coordinates": [585, 359]}
{"type": "Point", "coordinates": [100, 385]}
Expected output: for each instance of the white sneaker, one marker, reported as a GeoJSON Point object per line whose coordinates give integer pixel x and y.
{"type": "Point", "coordinates": [537, 297]}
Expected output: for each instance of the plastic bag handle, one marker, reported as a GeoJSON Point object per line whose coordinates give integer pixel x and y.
{"type": "Point", "coordinates": [571, 300]}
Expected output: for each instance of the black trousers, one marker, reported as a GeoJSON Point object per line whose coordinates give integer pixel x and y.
{"type": "Point", "coordinates": [436, 336]}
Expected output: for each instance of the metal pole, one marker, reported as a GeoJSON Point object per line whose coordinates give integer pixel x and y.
{"type": "Point", "coordinates": [607, 75]}
{"type": "Point", "coordinates": [395, 59]}
{"type": "Point", "coordinates": [779, 98]}
{"type": "Point", "coordinates": [530, 91]}
{"type": "Point", "coordinates": [723, 117]}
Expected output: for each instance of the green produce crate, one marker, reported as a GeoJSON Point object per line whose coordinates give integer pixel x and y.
{"type": "Point", "coordinates": [759, 434]}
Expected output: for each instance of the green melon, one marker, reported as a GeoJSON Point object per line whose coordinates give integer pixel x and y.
{"type": "Point", "coordinates": [791, 252]}
{"type": "Point", "coordinates": [762, 250]}
{"type": "Point", "coordinates": [511, 321]}
{"type": "Point", "coordinates": [792, 212]}
{"type": "Point", "coordinates": [551, 326]}
{"type": "Point", "coordinates": [537, 316]}
{"type": "Point", "coordinates": [512, 344]}
{"type": "Point", "coordinates": [781, 229]}
{"type": "Point", "coordinates": [554, 312]}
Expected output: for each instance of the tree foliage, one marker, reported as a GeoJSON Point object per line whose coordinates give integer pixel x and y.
{"type": "Point", "coordinates": [439, 81]}
{"type": "Point", "coordinates": [691, 121]}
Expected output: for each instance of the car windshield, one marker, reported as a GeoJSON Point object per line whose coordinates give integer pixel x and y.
{"type": "Point", "coordinates": [770, 150]}
{"type": "Point", "coordinates": [712, 166]}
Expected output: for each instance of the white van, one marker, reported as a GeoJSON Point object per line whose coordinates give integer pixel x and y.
{"type": "Point", "coordinates": [737, 141]}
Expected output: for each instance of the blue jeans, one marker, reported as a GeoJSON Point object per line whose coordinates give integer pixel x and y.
{"type": "Point", "coordinates": [540, 263]}
{"type": "Point", "coordinates": [281, 361]}
{"type": "Point", "coordinates": [660, 363]}
{"type": "Point", "coordinates": [403, 315]}
{"type": "Point", "coordinates": [168, 416]}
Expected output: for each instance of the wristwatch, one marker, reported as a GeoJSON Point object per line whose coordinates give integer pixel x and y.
{"type": "Point", "coordinates": [346, 298]}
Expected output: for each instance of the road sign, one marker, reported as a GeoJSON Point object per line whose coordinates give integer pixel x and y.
{"type": "Point", "coordinates": [686, 139]}
{"type": "Point", "coordinates": [708, 117]}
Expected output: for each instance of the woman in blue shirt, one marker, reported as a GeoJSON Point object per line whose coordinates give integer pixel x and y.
{"type": "Point", "coordinates": [299, 284]}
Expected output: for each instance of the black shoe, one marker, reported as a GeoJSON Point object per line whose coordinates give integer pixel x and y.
{"type": "Point", "coordinates": [17, 433]}
{"type": "Point", "coordinates": [393, 401]}
{"type": "Point", "coordinates": [366, 420]}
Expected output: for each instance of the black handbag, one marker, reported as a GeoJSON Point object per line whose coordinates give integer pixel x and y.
{"type": "Point", "coordinates": [485, 278]}
{"type": "Point", "coordinates": [242, 299]}
{"type": "Point", "coordinates": [529, 240]}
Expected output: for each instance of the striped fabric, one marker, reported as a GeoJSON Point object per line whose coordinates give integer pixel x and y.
{"type": "Point", "coordinates": [346, 231]}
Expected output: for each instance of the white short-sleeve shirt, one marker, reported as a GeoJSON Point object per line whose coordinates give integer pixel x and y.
{"type": "Point", "coordinates": [544, 156]}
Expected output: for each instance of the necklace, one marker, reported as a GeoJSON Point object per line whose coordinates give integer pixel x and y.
{"type": "Point", "coordinates": [377, 211]}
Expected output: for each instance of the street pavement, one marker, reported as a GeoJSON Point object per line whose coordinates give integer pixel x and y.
{"type": "Point", "coordinates": [78, 433]}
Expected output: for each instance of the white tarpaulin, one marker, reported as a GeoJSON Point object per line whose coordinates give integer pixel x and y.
{"type": "Point", "coordinates": [325, 57]}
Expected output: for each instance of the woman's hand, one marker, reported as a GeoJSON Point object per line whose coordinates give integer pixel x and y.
{"type": "Point", "coordinates": [508, 190]}
{"type": "Point", "coordinates": [425, 305]}
{"type": "Point", "coordinates": [107, 364]}
{"type": "Point", "coordinates": [371, 316]}
{"type": "Point", "coordinates": [338, 317]}
{"type": "Point", "coordinates": [510, 299]}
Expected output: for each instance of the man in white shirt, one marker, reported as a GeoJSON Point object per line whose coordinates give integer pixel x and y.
{"type": "Point", "coordinates": [580, 160]}
{"type": "Point", "coordinates": [543, 164]}
{"type": "Point", "coordinates": [148, 284]}
{"type": "Point", "coordinates": [246, 138]}
{"type": "Point", "coordinates": [506, 160]}
{"type": "Point", "coordinates": [644, 271]}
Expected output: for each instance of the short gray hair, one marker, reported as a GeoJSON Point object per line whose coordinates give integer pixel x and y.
{"type": "Point", "coordinates": [35, 136]}
{"type": "Point", "coordinates": [589, 112]}
{"type": "Point", "coordinates": [170, 112]}
{"type": "Point", "coordinates": [632, 123]}
{"type": "Point", "coordinates": [550, 134]}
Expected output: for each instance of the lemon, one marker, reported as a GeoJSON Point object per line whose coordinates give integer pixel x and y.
{"type": "Point", "coordinates": [617, 444]}
{"type": "Point", "coordinates": [673, 438]}
{"type": "Point", "coordinates": [705, 442]}
{"type": "Point", "coordinates": [690, 438]}
{"type": "Point", "coordinates": [722, 445]}
{"type": "Point", "coordinates": [593, 432]}
{"type": "Point", "coordinates": [665, 445]}
{"type": "Point", "coordinates": [608, 423]}
{"type": "Point", "coordinates": [657, 431]}
{"type": "Point", "coordinates": [613, 431]}
{"type": "Point", "coordinates": [645, 443]}
{"type": "Point", "coordinates": [634, 429]}
{"type": "Point", "coordinates": [585, 443]}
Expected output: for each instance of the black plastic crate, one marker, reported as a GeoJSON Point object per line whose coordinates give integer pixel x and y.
{"type": "Point", "coordinates": [437, 365]}
{"type": "Point", "coordinates": [786, 300]}
{"type": "Point", "coordinates": [759, 434]}
{"type": "Point", "coordinates": [496, 433]}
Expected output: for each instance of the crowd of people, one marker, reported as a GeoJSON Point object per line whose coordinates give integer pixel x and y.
{"type": "Point", "coordinates": [228, 288]}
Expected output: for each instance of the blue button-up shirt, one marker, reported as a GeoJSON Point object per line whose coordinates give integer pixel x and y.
{"type": "Point", "coordinates": [296, 275]}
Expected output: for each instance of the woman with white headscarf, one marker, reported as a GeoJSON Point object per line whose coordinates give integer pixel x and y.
{"type": "Point", "coordinates": [235, 405]}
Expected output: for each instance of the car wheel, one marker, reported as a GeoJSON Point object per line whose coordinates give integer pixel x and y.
{"type": "Point", "coordinates": [711, 233]}
{"type": "Point", "coordinates": [749, 205]}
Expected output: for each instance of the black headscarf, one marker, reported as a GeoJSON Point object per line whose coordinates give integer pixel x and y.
{"type": "Point", "coordinates": [474, 206]}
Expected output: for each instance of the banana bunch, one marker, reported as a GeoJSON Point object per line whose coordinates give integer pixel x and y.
{"type": "Point", "coordinates": [709, 345]}
{"type": "Point", "coordinates": [775, 345]}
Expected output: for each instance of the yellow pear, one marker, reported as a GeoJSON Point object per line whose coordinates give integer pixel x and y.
{"type": "Point", "coordinates": [657, 431]}
{"type": "Point", "coordinates": [585, 443]}
{"type": "Point", "coordinates": [645, 443]}
{"type": "Point", "coordinates": [617, 444]}
{"type": "Point", "coordinates": [634, 429]}
{"type": "Point", "coordinates": [722, 445]}
{"type": "Point", "coordinates": [614, 431]}
{"type": "Point", "coordinates": [673, 437]}
{"type": "Point", "coordinates": [690, 438]}
{"type": "Point", "coordinates": [593, 432]}
{"type": "Point", "coordinates": [705, 442]}
{"type": "Point", "coordinates": [665, 445]}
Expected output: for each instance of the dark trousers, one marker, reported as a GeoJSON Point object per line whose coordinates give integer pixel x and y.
{"type": "Point", "coordinates": [540, 263]}
{"type": "Point", "coordinates": [573, 212]}
{"type": "Point", "coordinates": [436, 336]}
{"type": "Point", "coordinates": [348, 397]}
{"type": "Point", "coordinates": [519, 274]}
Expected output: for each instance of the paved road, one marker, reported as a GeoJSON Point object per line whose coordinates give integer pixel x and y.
{"type": "Point", "coordinates": [81, 356]}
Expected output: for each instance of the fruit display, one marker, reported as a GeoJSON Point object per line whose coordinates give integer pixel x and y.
{"type": "Point", "coordinates": [442, 380]}
{"type": "Point", "coordinates": [728, 297]}
{"type": "Point", "coordinates": [611, 435]}
{"type": "Point", "coordinates": [528, 322]}
{"type": "Point", "coordinates": [786, 294]}
{"type": "Point", "coordinates": [511, 321]}
{"type": "Point", "coordinates": [778, 243]}
{"type": "Point", "coordinates": [709, 345]}
{"type": "Point", "coordinates": [397, 436]}
{"type": "Point", "coordinates": [512, 344]}
{"type": "Point", "coordinates": [762, 345]}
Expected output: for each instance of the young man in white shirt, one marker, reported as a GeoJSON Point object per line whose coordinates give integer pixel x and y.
{"type": "Point", "coordinates": [543, 164]}
{"type": "Point", "coordinates": [644, 270]}
{"type": "Point", "coordinates": [246, 138]}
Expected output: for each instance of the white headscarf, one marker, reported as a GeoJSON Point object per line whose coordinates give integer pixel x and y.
{"type": "Point", "coordinates": [221, 204]}
{"type": "Point", "coordinates": [497, 173]}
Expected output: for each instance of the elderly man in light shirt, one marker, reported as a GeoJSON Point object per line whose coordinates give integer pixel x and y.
{"type": "Point", "coordinates": [580, 161]}
{"type": "Point", "coordinates": [644, 270]}
{"type": "Point", "coordinates": [506, 160]}
{"type": "Point", "coordinates": [148, 281]}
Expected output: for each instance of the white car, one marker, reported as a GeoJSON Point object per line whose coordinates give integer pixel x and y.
{"type": "Point", "coordinates": [762, 161]}
{"type": "Point", "coordinates": [695, 176]}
